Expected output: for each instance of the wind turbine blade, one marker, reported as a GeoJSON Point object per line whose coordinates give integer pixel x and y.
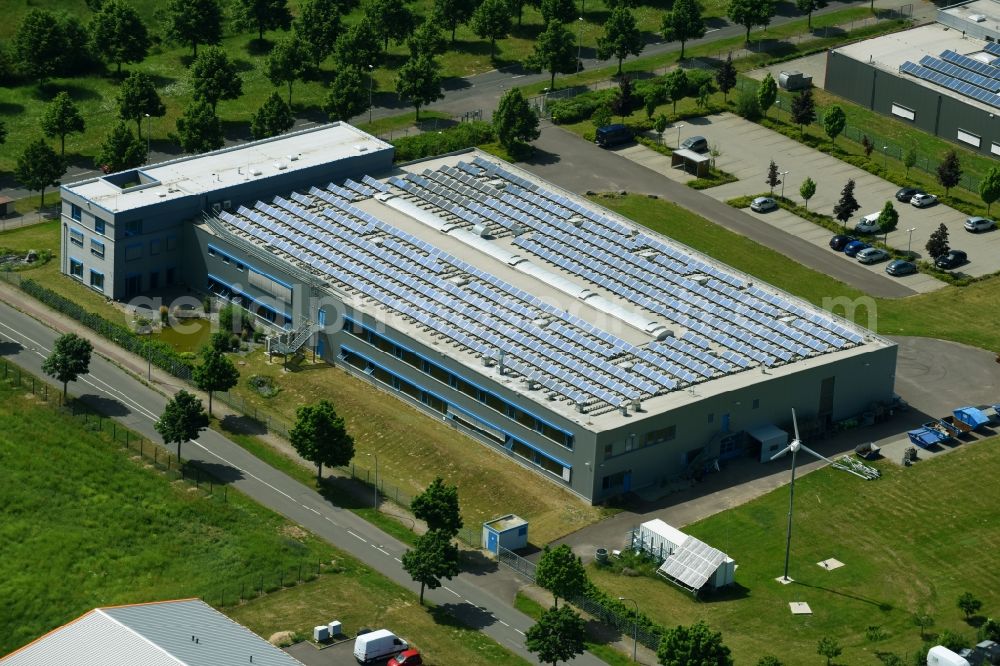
{"type": "Point", "coordinates": [781, 453]}
{"type": "Point", "coordinates": [806, 448]}
{"type": "Point", "coordinates": [795, 424]}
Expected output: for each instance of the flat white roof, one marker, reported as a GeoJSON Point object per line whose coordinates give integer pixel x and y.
{"type": "Point", "coordinates": [986, 11]}
{"type": "Point", "coordinates": [889, 52]}
{"type": "Point", "coordinates": [202, 174]}
{"type": "Point", "coordinates": [476, 258]}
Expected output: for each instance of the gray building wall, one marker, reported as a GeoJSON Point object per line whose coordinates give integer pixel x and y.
{"type": "Point", "coordinates": [934, 112]}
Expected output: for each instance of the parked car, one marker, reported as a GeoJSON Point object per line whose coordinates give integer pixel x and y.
{"type": "Point", "coordinates": [698, 144]}
{"type": "Point", "coordinates": [872, 255]}
{"type": "Point", "coordinates": [612, 135]}
{"type": "Point", "coordinates": [763, 204]}
{"type": "Point", "coordinates": [868, 224]}
{"type": "Point", "coordinates": [409, 657]}
{"type": "Point", "coordinates": [977, 224]}
{"type": "Point", "coordinates": [840, 241]}
{"type": "Point", "coordinates": [953, 259]}
{"type": "Point", "coordinates": [904, 194]}
{"type": "Point", "coordinates": [901, 267]}
{"type": "Point", "coordinates": [923, 200]}
{"type": "Point", "coordinates": [852, 248]}
{"type": "Point", "coordinates": [377, 645]}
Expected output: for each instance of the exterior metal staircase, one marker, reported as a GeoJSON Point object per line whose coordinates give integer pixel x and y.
{"type": "Point", "coordinates": [708, 455]}
{"type": "Point", "coordinates": [292, 341]}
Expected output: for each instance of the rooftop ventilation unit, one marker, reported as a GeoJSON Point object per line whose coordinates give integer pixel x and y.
{"type": "Point", "coordinates": [577, 221]}
{"type": "Point", "coordinates": [498, 183]}
{"type": "Point", "coordinates": [480, 230]}
{"type": "Point", "coordinates": [280, 166]}
{"type": "Point", "coordinates": [255, 171]}
{"type": "Point", "coordinates": [293, 158]}
{"type": "Point", "coordinates": [978, 18]}
{"type": "Point", "coordinates": [700, 278]}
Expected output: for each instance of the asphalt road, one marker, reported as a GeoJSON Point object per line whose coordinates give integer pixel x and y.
{"type": "Point", "coordinates": [26, 342]}
{"type": "Point", "coordinates": [578, 166]}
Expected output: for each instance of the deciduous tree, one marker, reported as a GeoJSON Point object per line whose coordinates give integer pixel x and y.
{"type": "Point", "coordinates": [621, 37]}
{"type": "Point", "coordinates": [137, 98]}
{"type": "Point", "coordinates": [696, 645]}
{"type": "Point", "coordinates": [968, 602]}
{"type": "Point", "coordinates": [555, 51]}
{"type": "Point", "coordinates": [660, 126]}
{"type": "Point", "coordinates": [772, 179]}
{"type": "Point", "coordinates": [601, 116]}
{"type": "Point", "coordinates": [949, 172]}
{"type": "Point", "coordinates": [491, 21]}
{"type": "Point", "coordinates": [725, 76]}
{"type": "Point", "coordinates": [274, 117]}
{"type": "Point", "coordinates": [847, 205]}
{"type": "Point", "coordinates": [834, 121]}
{"type": "Point", "coordinates": [261, 15]}
{"type": "Point", "coordinates": [769, 660]}
{"type": "Point", "coordinates": [319, 436]}
{"type": "Point", "coordinates": [438, 507]}
{"type": "Point", "coordinates": [194, 22]}
{"type": "Point", "coordinates": [318, 26]}
{"type": "Point", "coordinates": [432, 558]}
{"type": "Point", "coordinates": [937, 244]}
{"type": "Point", "coordinates": [199, 129]}
{"type": "Point", "coordinates": [888, 219]}
{"type": "Point", "coordinates": [347, 97]}
{"type": "Point", "coordinates": [182, 419]}
{"type": "Point", "coordinates": [3, 132]}
{"type": "Point", "coordinates": [514, 120]}
{"type": "Point", "coordinates": [62, 118]}
{"type": "Point", "coordinates": [120, 150]}
{"type": "Point", "coordinates": [828, 647]}
{"type": "Point", "coordinates": [118, 34]}
{"type": "Point", "coordinates": [867, 146]}
{"type": "Point", "coordinates": [40, 45]}
{"type": "Point", "coordinates": [807, 7]}
{"type": "Point", "coordinates": [419, 80]}
{"type": "Point", "coordinates": [563, 11]}
{"type": "Point", "coordinates": [989, 187]}
{"type": "Point", "coordinates": [561, 572]}
{"type": "Point", "coordinates": [683, 22]}
{"type": "Point", "coordinates": [214, 77]}
{"type": "Point", "coordinates": [767, 93]}
{"type": "Point", "coordinates": [676, 85]}
{"type": "Point", "coordinates": [751, 13]}
{"type": "Point", "coordinates": [70, 358]}
{"type": "Point", "coordinates": [427, 40]}
{"type": "Point", "coordinates": [358, 47]}
{"type": "Point", "coordinates": [803, 109]}
{"type": "Point", "coordinates": [392, 19]}
{"type": "Point", "coordinates": [215, 373]}
{"type": "Point", "coordinates": [909, 159]}
{"type": "Point", "coordinates": [452, 13]}
{"type": "Point", "coordinates": [807, 190]}
{"type": "Point", "coordinates": [288, 62]}
{"type": "Point", "coordinates": [924, 621]}
{"type": "Point", "coordinates": [558, 635]}
{"type": "Point", "coordinates": [39, 167]}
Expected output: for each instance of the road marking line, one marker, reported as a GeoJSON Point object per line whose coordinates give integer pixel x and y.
{"type": "Point", "coordinates": [452, 591]}
{"type": "Point", "coordinates": [312, 509]}
{"type": "Point", "coordinates": [398, 560]}
{"type": "Point", "coordinates": [519, 631]}
{"type": "Point", "coordinates": [356, 536]}
{"type": "Point", "coordinates": [382, 551]}
{"type": "Point", "coordinates": [16, 332]}
{"type": "Point", "coordinates": [332, 520]}
{"type": "Point", "coordinates": [502, 622]}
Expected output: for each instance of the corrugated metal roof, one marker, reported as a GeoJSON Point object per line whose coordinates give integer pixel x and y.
{"type": "Point", "coordinates": [187, 632]}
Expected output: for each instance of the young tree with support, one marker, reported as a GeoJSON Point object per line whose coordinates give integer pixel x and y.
{"type": "Point", "coordinates": [807, 190]}
{"type": "Point", "coordinates": [62, 117]}
{"type": "Point", "coordinates": [555, 51]}
{"type": "Point", "coordinates": [909, 159]}
{"type": "Point", "coordinates": [319, 436]}
{"type": "Point", "coordinates": [215, 373]}
{"type": "Point", "coordinates": [70, 358]}
{"type": "Point", "coordinates": [621, 37]}
{"type": "Point", "coordinates": [989, 187]}
{"type": "Point", "coordinates": [969, 604]}
{"type": "Point", "coordinates": [561, 572]}
{"type": "Point", "coordinates": [683, 22]}
{"type": "Point", "coordinates": [419, 80]}
{"type": "Point", "coordinates": [182, 419]}
{"type": "Point", "coordinates": [558, 635]}
{"type": "Point", "coordinates": [834, 121]}
{"type": "Point", "coordinates": [725, 76]}
{"type": "Point", "coordinates": [118, 34]}
{"type": "Point", "coordinates": [438, 507]}
{"type": "Point", "coordinates": [829, 647]}
{"type": "Point", "coordinates": [767, 93]}
{"type": "Point", "coordinates": [432, 558]}
{"type": "Point", "coordinates": [39, 167]}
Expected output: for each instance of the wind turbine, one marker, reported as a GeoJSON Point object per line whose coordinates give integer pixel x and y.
{"type": "Point", "coordinates": [846, 464]}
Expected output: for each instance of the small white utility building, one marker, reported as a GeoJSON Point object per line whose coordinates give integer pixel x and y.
{"type": "Point", "coordinates": [686, 561]}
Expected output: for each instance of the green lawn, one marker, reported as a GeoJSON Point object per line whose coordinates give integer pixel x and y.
{"type": "Point", "coordinates": [913, 540]}
{"type": "Point", "coordinates": [85, 525]}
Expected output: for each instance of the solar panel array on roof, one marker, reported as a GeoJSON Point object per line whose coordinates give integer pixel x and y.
{"type": "Point", "coordinates": [692, 563]}
{"type": "Point", "coordinates": [966, 76]}
{"type": "Point", "coordinates": [728, 325]}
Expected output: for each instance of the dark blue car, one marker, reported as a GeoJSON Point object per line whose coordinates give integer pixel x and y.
{"type": "Point", "coordinates": [852, 248]}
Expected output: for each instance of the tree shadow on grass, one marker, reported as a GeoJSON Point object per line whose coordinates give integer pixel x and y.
{"type": "Point", "coordinates": [455, 83]}
{"type": "Point", "coordinates": [883, 606]}
{"type": "Point", "coordinates": [258, 47]}
{"type": "Point", "coordinates": [731, 592]}
{"type": "Point", "coordinates": [236, 130]}
{"type": "Point", "coordinates": [345, 492]}
{"type": "Point", "coordinates": [45, 92]}
{"type": "Point", "coordinates": [829, 31]}
{"type": "Point", "coordinates": [786, 8]}
{"type": "Point", "coordinates": [165, 146]}
{"type": "Point", "coordinates": [242, 425]}
{"type": "Point", "coordinates": [435, 124]}
{"type": "Point", "coordinates": [462, 615]}
{"type": "Point", "coordinates": [777, 48]}
{"type": "Point", "coordinates": [10, 108]}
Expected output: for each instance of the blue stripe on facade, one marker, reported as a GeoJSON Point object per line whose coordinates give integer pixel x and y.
{"type": "Point", "coordinates": [248, 296]}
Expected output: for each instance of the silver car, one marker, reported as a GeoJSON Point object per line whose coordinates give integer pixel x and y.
{"type": "Point", "coordinates": [977, 224]}
{"type": "Point", "coordinates": [763, 204]}
{"type": "Point", "coordinates": [872, 255]}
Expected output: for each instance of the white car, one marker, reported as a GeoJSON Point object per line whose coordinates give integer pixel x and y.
{"type": "Point", "coordinates": [977, 224]}
{"type": "Point", "coordinates": [868, 224]}
{"type": "Point", "coordinates": [923, 200]}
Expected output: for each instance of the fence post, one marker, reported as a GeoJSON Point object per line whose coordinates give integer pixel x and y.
{"type": "Point", "coordinates": [300, 572]}
{"type": "Point", "coordinates": [242, 590]}
{"type": "Point", "coordinates": [261, 586]}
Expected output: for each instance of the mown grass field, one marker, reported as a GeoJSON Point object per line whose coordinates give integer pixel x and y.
{"type": "Point", "coordinates": [357, 597]}
{"type": "Point", "coordinates": [911, 541]}
{"type": "Point", "coordinates": [87, 525]}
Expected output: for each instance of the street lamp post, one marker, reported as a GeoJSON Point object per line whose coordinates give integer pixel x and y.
{"type": "Point", "coordinates": [783, 179]}
{"type": "Point", "coordinates": [371, 77]}
{"type": "Point", "coordinates": [148, 121]}
{"type": "Point", "coordinates": [679, 128]}
{"type": "Point", "coordinates": [375, 455]}
{"type": "Point", "coordinates": [579, 44]}
{"type": "Point", "coordinates": [909, 242]}
{"type": "Point", "coordinates": [885, 157]}
{"type": "Point", "coordinates": [635, 628]}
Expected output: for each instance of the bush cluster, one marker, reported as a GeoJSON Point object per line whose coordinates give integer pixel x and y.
{"type": "Point", "coordinates": [464, 135]}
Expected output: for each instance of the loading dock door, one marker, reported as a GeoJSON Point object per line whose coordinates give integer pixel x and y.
{"type": "Point", "coordinates": [772, 439]}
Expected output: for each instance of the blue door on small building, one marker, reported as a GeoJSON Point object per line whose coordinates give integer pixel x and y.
{"type": "Point", "coordinates": [627, 481]}
{"type": "Point", "coordinates": [491, 542]}
{"type": "Point", "coordinates": [319, 348]}
{"type": "Point", "coordinates": [321, 317]}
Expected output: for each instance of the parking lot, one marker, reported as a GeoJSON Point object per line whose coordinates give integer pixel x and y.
{"type": "Point", "coordinates": [339, 654]}
{"type": "Point", "coordinates": [747, 148]}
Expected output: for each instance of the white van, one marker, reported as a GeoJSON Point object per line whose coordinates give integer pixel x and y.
{"type": "Point", "coordinates": [868, 224]}
{"type": "Point", "coordinates": [377, 645]}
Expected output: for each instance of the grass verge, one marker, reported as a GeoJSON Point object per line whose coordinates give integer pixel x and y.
{"type": "Point", "coordinates": [899, 560]}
